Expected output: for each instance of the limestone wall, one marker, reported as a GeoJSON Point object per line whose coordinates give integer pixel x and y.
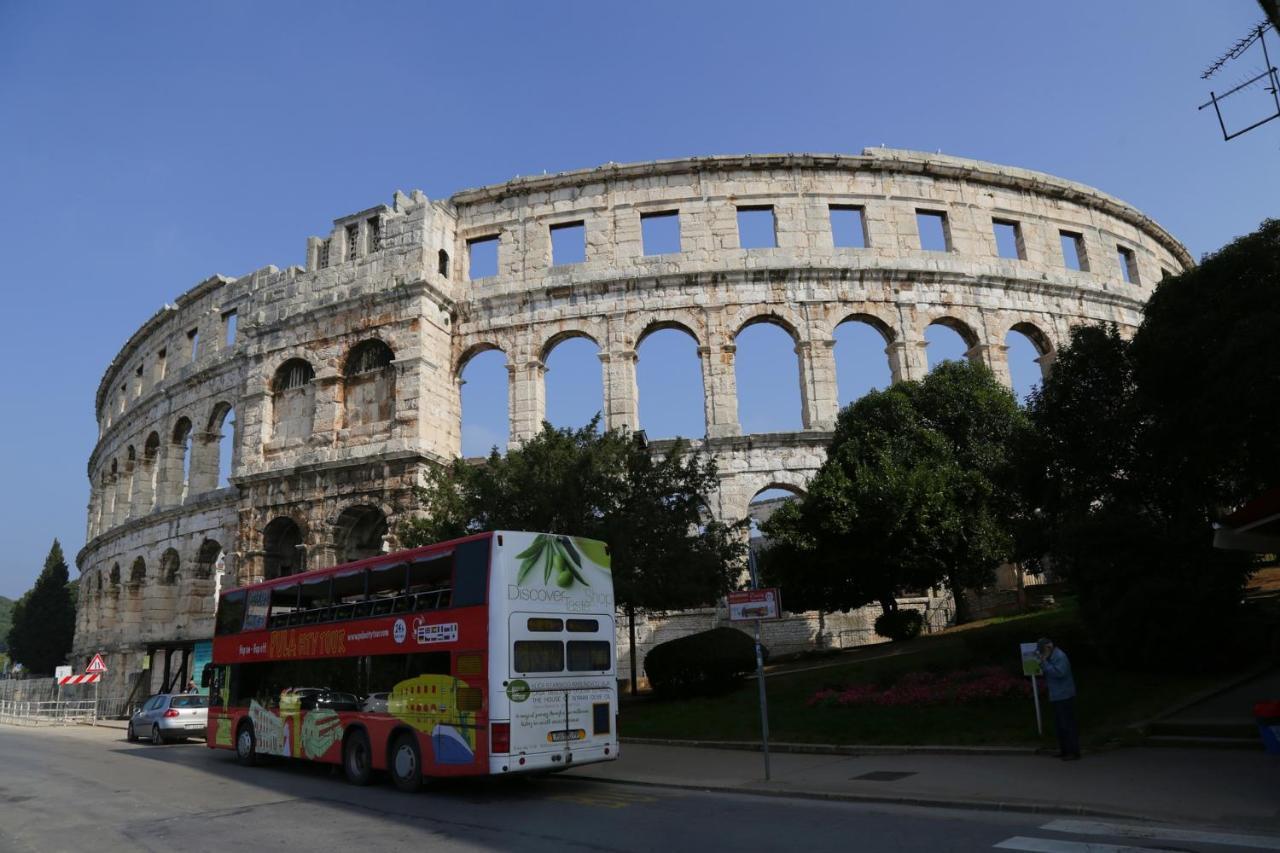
{"type": "Point", "coordinates": [321, 472]}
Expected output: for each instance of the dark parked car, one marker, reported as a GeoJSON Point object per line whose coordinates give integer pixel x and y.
{"type": "Point", "coordinates": [170, 716]}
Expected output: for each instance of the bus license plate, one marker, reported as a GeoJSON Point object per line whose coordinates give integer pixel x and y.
{"type": "Point", "coordinates": [566, 734]}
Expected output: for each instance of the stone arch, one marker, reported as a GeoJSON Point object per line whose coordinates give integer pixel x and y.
{"type": "Point", "coordinates": [284, 548]}
{"type": "Point", "coordinates": [222, 443]}
{"type": "Point", "coordinates": [369, 384]}
{"type": "Point", "coordinates": [470, 352]}
{"type": "Point", "coordinates": [571, 360]}
{"type": "Point", "coordinates": [207, 558]}
{"type": "Point", "coordinates": [170, 566]}
{"type": "Point", "coordinates": [940, 349]}
{"type": "Point", "coordinates": [1044, 346]}
{"type": "Point", "coordinates": [484, 410]}
{"type": "Point", "coordinates": [675, 413]}
{"type": "Point", "coordinates": [774, 315]}
{"type": "Point", "coordinates": [177, 478]}
{"type": "Point", "coordinates": [857, 337]}
{"type": "Point", "coordinates": [127, 507]}
{"type": "Point", "coordinates": [761, 504]}
{"type": "Point", "coordinates": [769, 393]}
{"type": "Point", "coordinates": [1027, 354]}
{"type": "Point", "coordinates": [149, 477]}
{"type": "Point", "coordinates": [359, 531]}
{"type": "Point", "coordinates": [138, 571]}
{"type": "Point", "coordinates": [293, 400]}
{"type": "Point", "coordinates": [967, 332]}
{"type": "Point", "coordinates": [115, 575]}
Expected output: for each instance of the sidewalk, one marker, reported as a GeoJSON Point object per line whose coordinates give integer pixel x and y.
{"type": "Point", "coordinates": [1230, 789]}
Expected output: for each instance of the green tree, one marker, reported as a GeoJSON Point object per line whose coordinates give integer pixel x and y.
{"type": "Point", "coordinates": [917, 491]}
{"type": "Point", "coordinates": [650, 508]}
{"type": "Point", "coordinates": [1140, 446]}
{"type": "Point", "coordinates": [44, 619]}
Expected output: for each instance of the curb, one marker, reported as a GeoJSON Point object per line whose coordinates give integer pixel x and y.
{"type": "Point", "coordinates": [1208, 693]}
{"type": "Point", "coordinates": [885, 800]}
{"type": "Point", "coordinates": [836, 749]}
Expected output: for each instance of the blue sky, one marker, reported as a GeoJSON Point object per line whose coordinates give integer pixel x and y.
{"type": "Point", "coordinates": [149, 145]}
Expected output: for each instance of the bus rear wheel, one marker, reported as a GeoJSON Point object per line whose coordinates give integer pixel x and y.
{"type": "Point", "coordinates": [356, 759]}
{"type": "Point", "coordinates": [246, 745]}
{"type": "Point", "coordinates": [405, 764]}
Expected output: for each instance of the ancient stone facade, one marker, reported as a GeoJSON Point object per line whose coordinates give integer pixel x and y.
{"type": "Point", "coordinates": [342, 377]}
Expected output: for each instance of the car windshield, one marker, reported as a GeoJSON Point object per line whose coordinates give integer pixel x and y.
{"type": "Point", "coordinates": [191, 701]}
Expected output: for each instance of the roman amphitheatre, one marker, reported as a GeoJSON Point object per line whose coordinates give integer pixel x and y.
{"type": "Point", "coordinates": [275, 422]}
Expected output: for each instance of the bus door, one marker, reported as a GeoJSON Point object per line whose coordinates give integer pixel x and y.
{"type": "Point", "coordinates": [561, 686]}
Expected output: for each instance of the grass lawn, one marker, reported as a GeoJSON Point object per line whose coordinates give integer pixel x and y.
{"type": "Point", "coordinates": [1109, 699]}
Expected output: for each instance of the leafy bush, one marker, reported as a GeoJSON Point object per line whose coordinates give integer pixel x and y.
{"type": "Point", "coordinates": [917, 689]}
{"type": "Point", "coordinates": [707, 662]}
{"type": "Point", "coordinates": [900, 624]}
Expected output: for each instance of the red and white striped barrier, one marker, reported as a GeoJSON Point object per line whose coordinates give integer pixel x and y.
{"type": "Point", "coordinates": [87, 678]}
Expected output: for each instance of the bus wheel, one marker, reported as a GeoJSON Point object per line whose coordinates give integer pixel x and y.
{"type": "Point", "coordinates": [246, 745]}
{"type": "Point", "coordinates": [355, 759]}
{"type": "Point", "coordinates": [406, 764]}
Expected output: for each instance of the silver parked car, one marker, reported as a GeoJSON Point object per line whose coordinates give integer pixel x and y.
{"type": "Point", "coordinates": [170, 716]}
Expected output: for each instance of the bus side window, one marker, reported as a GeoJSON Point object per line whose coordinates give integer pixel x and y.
{"type": "Point", "coordinates": [471, 573]}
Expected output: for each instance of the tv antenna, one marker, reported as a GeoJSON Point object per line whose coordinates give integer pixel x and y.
{"type": "Point", "coordinates": [1267, 78]}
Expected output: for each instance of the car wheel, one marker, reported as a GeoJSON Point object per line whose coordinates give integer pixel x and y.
{"type": "Point", "coordinates": [156, 737]}
{"type": "Point", "coordinates": [356, 759]}
{"type": "Point", "coordinates": [246, 745]}
{"type": "Point", "coordinates": [131, 735]}
{"type": "Point", "coordinates": [406, 764]}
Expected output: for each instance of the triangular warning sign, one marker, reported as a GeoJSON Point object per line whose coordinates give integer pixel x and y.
{"type": "Point", "coordinates": [96, 665]}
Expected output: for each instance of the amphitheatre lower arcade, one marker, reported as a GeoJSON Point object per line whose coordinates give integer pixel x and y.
{"type": "Point", "coordinates": [278, 421]}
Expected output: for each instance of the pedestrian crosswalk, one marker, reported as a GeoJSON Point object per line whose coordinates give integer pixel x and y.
{"type": "Point", "coordinates": [1131, 838]}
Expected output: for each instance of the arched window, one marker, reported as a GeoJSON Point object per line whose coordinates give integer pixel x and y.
{"type": "Point", "coordinates": [169, 566]}
{"type": "Point", "coordinates": [293, 400]}
{"type": "Point", "coordinates": [862, 360]}
{"type": "Point", "coordinates": [359, 533]}
{"type": "Point", "coordinates": [150, 474]}
{"type": "Point", "coordinates": [207, 558]}
{"type": "Point", "coordinates": [948, 340]}
{"type": "Point", "coordinates": [115, 575]}
{"type": "Point", "coordinates": [483, 396]}
{"type": "Point", "coordinates": [669, 383]}
{"type": "Point", "coordinates": [1029, 355]}
{"type": "Point", "coordinates": [768, 378]}
{"type": "Point", "coordinates": [179, 478]}
{"type": "Point", "coordinates": [574, 381]}
{"type": "Point", "coordinates": [764, 504]}
{"type": "Point", "coordinates": [222, 443]}
{"type": "Point", "coordinates": [283, 547]}
{"type": "Point", "coordinates": [369, 384]}
{"type": "Point", "coordinates": [138, 573]}
{"type": "Point", "coordinates": [128, 508]}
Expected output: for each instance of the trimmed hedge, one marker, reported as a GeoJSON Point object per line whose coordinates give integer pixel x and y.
{"type": "Point", "coordinates": [900, 624]}
{"type": "Point", "coordinates": [708, 662]}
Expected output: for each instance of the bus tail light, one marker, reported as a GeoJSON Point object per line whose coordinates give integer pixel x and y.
{"type": "Point", "coordinates": [500, 738]}
{"type": "Point", "coordinates": [171, 713]}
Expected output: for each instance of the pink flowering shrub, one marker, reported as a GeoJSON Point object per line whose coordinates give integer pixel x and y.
{"type": "Point", "coordinates": [927, 688]}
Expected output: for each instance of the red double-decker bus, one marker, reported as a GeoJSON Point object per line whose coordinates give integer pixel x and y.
{"type": "Point", "coordinates": [491, 654]}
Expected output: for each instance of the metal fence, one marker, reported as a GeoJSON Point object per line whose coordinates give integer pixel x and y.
{"type": "Point", "coordinates": [40, 701]}
{"type": "Point", "coordinates": [55, 713]}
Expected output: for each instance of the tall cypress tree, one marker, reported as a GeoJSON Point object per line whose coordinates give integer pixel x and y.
{"type": "Point", "coordinates": [44, 620]}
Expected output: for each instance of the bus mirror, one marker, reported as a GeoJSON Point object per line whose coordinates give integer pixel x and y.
{"type": "Point", "coordinates": [206, 675]}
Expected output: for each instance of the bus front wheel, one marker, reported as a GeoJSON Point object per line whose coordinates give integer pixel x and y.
{"type": "Point", "coordinates": [355, 759]}
{"type": "Point", "coordinates": [246, 745]}
{"type": "Point", "coordinates": [406, 764]}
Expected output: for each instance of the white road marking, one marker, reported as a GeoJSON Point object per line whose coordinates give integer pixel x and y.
{"type": "Point", "coordinates": [1056, 845]}
{"type": "Point", "coordinates": [1162, 833]}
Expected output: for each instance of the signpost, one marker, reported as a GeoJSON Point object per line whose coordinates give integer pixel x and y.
{"type": "Point", "coordinates": [757, 604]}
{"type": "Point", "coordinates": [1031, 667]}
{"type": "Point", "coordinates": [96, 668]}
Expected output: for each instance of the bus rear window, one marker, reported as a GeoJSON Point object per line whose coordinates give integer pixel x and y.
{"type": "Point", "coordinates": [230, 613]}
{"type": "Point", "coordinates": [544, 623]}
{"type": "Point", "coordinates": [589, 656]}
{"type": "Point", "coordinates": [584, 626]}
{"type": "Point", "coordinates": [539, 656]}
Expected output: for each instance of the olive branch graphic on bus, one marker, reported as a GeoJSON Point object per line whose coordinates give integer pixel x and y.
{"type": "Point", "coordinates": [560, 557]}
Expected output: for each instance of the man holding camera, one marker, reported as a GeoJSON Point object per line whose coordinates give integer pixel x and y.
{"type": "Point", "coordinates": [1062, 693]}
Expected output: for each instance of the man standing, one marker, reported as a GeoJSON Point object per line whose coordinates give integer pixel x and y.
{"type": "Point", "coordinates": [1062, 693]}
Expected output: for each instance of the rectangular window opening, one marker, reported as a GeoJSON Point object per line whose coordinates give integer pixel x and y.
{"type": "Point", "coordinates": [374, 227]}
{"type": "Point", "coordinates": [482, 257]}
{"type": "Point", "coordinates": [353, 237]}
{"type": "Point", "coordinates": [322, 254]}
{"type": "Point", "coordinates": [1073, 251]}
{"type": "Point", "coordinates": [193, 343]}
{"type": "Point", "coordinates": [137, 382]}
{"type": "Point", "coordinates": [660, 232]}
{"type": "Point", "coordinates": [848, 227]}
{"type": "Point", "coordinates": [934, 230]}
{"type": "Point", "coordinates": [161, 357]}
{"type": "Point", "coordinates": [442, 263]}
{"type": "Point", "coordinates": [1009, 239]}
{"type": "Point", "coordinates": [757, 227]}
{"type": "Point", "coordinates": [568, 243]}
{"type": "Point", "coordinates": [229, 323]}
{"type": "Point", "coordinates": [1128, 264]}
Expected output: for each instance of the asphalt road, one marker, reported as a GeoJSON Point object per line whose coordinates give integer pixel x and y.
{"type": "Point", "coordinates": [87, 789]}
